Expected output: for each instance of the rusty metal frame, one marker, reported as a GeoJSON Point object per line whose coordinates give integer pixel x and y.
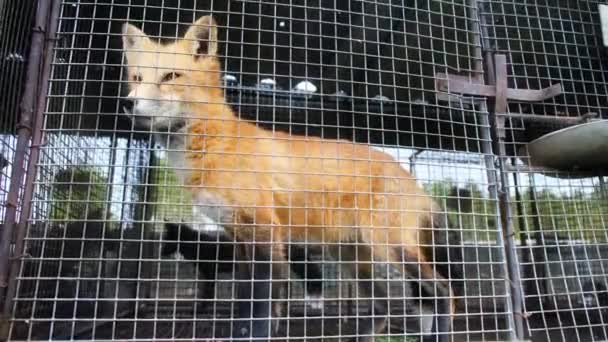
{"type": "Point", "coordinates": [29, 129]}
{"type": "Point", "coordinates": [462, 84]}
{"type": "Point", "coordinates": [513, 276]}
{"type": "Point", "coordinates": [484, 66]}
{"type": "Point", "coordinates": [495, 87]}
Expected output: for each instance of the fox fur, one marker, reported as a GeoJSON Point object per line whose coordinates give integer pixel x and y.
{"type": "Point", "coordinates": [267, 188]}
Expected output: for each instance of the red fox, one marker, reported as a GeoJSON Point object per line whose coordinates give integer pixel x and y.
{"type": "Point", "coordinates": [269, 188]}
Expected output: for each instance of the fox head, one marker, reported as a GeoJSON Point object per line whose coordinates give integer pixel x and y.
{"type": "Point", "coordinates": [168, 81]}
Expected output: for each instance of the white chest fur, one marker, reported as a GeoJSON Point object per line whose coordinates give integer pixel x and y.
{"type": "Point", "coordinates": [174, 145]}
{"type": "Point", "coordinates": [209, 211]}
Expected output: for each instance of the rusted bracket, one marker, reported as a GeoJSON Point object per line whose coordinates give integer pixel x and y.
{"type": "Point", "coordinates": [462, 84]}
{"type": "Point", "coordinates": [501, 92]}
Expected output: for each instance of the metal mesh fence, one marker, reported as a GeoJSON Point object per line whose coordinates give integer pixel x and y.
{"type": "Point", "coordinates": [14, 50]}
{"type": "Point", "coordinates": [170, 175]}
{"type": "Point", "coordinates": [559, 217]}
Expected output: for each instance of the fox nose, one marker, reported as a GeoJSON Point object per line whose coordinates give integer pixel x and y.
{"type": "Point", "coordinates": [127, 104]}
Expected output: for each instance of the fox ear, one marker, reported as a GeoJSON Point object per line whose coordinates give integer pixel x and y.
{"type": "Point", "coordinates": [202, 37]}
{"type": "Point", "coordinates": [132, 37]}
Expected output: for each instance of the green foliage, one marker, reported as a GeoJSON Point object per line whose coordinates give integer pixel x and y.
{"type": "Point", "coordinates": [477, 221]}
{"type": "Point", "coordinates": [171, 200]}
{"type": "Point", "coordinates": [78, 193]}
{"type": "Point", "coordinates": [577, 215]}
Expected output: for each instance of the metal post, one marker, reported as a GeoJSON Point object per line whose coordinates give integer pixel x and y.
{"type": "Point", "coordinates": [603, 189]}
{"type": "Point", "coordinates": [24, 131]}
{"type": "Point", "coordinates": [524, 237]}
{"type": "Point", "coordinates": [496, 186]}
{"type": "Point", "coordinates": [504, 201]}
{"type": "Point", "coordinates": [144, 215]}
{"type": "Point", "coordinates": [540, 261]}
{"type": "Point", "coordinates": [30, 125]}
{"type": "Point", "coordinates": [111, 170]}
{"type": "Point", "coordinates": [413, 159]}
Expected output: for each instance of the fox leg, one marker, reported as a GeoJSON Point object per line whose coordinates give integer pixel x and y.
{"type": "Point", "coordinates": [207, 270]}
{"type": "Point", "coordinates": [433, 285]}
{"type": "Point", "coordinates": [254, 293]}
{"type": "Point", "coordinates": [372, 288]}
{"type": "Point", "coordinates": [263, 271]}
{"type": "Point", "coordinates": [413, 264]}
{"type": "Point", "coordinates": [311, 273]}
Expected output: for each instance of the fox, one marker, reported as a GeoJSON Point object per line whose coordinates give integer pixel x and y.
{"type": "Point", "coordinates": [267, 188]}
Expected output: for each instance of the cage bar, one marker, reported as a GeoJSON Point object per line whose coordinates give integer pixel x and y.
{"type": "Point", "coordinates": [113, 244]}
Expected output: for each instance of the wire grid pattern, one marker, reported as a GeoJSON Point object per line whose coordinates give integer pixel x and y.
{"type": "Point", "coordinates": [548, 44]}
{"type": "Point", "coordinates": [93, 269]}
{"type": "Point", "coordinates": [13, 59]}
{"type": "Point", "coordinates": [559, 217]}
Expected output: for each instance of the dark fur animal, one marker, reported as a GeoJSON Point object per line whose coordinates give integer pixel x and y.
{"type": "Point", "coordinates": [214, 253]}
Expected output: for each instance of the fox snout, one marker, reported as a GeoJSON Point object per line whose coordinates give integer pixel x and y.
{"type": "Point", "coordinates": [143, 100]}
{"type": "Point", "coordinates": [136, 109]}
{"type": "Point", "coordinates": [152, 109]}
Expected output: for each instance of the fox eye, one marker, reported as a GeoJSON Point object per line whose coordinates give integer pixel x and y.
{"type": "Point", "coordinates": [136, 78]}
{"type": "Point", "coordinates": [170, 76]}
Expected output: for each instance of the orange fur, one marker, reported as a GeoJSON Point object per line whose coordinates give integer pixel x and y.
{"type": "Point", "coordinates": [284, 187]}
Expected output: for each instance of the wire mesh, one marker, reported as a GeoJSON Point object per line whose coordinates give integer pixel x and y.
{"type": "Point", "coordinates": [121, 246]}
{"type": "Point", "coordinates": [14, 50]}
{"type": "Point", "coordinates": [559, 216]}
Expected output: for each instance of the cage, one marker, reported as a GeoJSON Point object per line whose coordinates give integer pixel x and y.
{"type": "Point", "coordinates": [103, 239]}
{"type": "Point", "coordinates": [559, 217]}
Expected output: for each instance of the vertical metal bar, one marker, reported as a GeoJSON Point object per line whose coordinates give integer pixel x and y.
{"type": "Point", "coordinates": [111, 171]}
{"type": "Point", "coordinates": [523, 232]}
{"type": "Point", "coordinates": [41, 56]}
{"type": "Point", "coordinates": [484, 55]}
{"type": "Point", "coordinates": [524, 237]}
{"type": "Point", "coordinates": [603, 189]}
{"type": "Point", "coordinates": [24, 131]}
{"type": "Point", "coordinates": [540, 263]}
{"type": "Point", "coordinates": [125, 181]}
{"type": "Point", "coordinates": [29, 110]}
{"type": "Point", "coordinates": [413, 159]}
{"type": "Point", "coordinates": [149, 206]}
{"type": "Point", "coordinates": [504, 202]}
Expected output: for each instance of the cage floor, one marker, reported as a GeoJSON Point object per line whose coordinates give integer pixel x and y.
{"type": "Point", "coordinates": [475, 328]}
{"type": "Point", "coordinates": [297, 329]}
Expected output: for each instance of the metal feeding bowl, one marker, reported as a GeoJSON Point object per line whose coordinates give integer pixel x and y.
{"type": "Point", "coordinates": [581, 149]}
